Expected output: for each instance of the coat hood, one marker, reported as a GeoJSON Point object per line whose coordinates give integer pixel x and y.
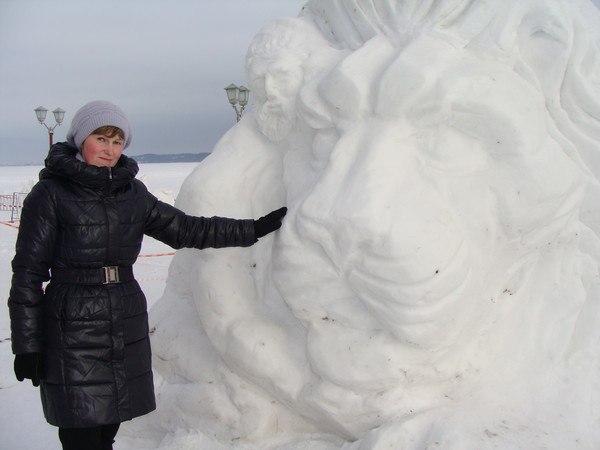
{"type": "Point", "coordinates": [62, 162]}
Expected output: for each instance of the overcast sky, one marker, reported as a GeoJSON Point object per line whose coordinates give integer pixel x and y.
{"type": "Point", "coordinates": [164, 62]}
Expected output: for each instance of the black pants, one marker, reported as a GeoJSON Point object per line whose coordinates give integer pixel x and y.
{"type": "Point", "coordinates": [93, 438]}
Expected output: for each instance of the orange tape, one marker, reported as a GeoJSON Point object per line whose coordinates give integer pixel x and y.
{"type": "Point", "coordinates": [8, 224]}
{"type": "Point", "coordinates": [156, 254]}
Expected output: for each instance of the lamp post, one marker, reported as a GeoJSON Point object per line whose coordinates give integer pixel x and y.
{"type": "Point", "coordinates": [59, 115]}
{"type": "Point", "coordinates": [237, 95]}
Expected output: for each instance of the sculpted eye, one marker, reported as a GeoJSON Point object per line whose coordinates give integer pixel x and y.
{"type": "Point", "coordinates": [544, 43]}
{"type": "Point", "coordinates": [550, 31]}
{"type": "Point", "coordinates": [543, 28]}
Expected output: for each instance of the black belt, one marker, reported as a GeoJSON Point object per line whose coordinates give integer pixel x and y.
{"type": "Point", "coordinates": [102, 275]}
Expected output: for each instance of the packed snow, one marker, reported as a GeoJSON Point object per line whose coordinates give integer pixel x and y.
{"type": "Point", "coordinates": [435, 282]}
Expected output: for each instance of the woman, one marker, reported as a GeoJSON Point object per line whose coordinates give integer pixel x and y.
{"type": "Point", "coordinates": [84, 340]}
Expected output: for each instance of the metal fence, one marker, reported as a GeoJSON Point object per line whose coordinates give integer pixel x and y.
{"type": "Point", "coordinates": [13, 203]}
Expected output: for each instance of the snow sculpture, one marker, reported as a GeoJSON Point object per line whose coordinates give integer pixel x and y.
{"type": "Point", "coordinates": [435, 282]}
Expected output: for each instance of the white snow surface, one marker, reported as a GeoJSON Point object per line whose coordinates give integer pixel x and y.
{"type": "Point", "coordinates": [435, 282]}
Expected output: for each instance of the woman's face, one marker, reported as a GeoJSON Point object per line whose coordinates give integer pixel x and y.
{"type": "Point", "coordinates": [101, 150]}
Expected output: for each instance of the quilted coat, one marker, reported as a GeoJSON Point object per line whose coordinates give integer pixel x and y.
{"type": "Point", "coordinates": [94, 337]}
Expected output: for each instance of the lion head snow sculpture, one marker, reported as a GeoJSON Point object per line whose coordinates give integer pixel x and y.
{"type": "Point", "coordinates": [439, 258]}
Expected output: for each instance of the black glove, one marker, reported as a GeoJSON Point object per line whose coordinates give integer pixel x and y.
{"type": "Point", "coordinates": [269, 223]}
{"type": "Point", "coordinates": [29, 365]}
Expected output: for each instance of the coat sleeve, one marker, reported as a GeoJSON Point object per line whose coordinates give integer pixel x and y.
{"type": "Point", "coordinates": [33, 257]}
{"type": "Point", "coordinates": [179, 230]}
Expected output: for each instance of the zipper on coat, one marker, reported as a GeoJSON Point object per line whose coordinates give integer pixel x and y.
{"type": "Point", "coordinates": [110, 178]}
{"type": "Point", "coordinates": [62, 314]}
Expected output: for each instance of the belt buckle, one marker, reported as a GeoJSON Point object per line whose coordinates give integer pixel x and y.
{"type": "Point", "coordinates": [111, 274]}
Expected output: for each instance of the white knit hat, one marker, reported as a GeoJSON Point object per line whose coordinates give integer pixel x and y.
{"type": "Point", "coordinates": [94, 115]}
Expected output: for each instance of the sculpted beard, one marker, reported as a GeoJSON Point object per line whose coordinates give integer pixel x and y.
{"type": "Point", "coordinates": [275, 121]}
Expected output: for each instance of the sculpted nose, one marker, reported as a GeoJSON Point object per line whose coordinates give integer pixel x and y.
{"type": "Point", "coordinates": [271, 88]}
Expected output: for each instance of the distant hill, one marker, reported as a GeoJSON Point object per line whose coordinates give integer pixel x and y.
{"type": "Point", "coordinates": [172, 158]}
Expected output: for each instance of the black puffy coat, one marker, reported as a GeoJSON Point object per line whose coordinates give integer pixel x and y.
{"type": "Point", "coordinates": [94, 338]}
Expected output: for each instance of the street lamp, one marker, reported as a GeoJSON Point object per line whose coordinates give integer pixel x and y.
{"type": "Point", "coordinates": [59, 115]}
{"type": "Point", "coordinates": [237, 95]}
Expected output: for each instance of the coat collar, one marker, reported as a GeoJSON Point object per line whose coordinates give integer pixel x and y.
{"type": "Point", "coordinates": [62, 162]}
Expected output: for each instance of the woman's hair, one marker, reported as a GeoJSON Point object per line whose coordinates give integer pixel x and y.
{"type": "Point", "coordinates": [109, 131]}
